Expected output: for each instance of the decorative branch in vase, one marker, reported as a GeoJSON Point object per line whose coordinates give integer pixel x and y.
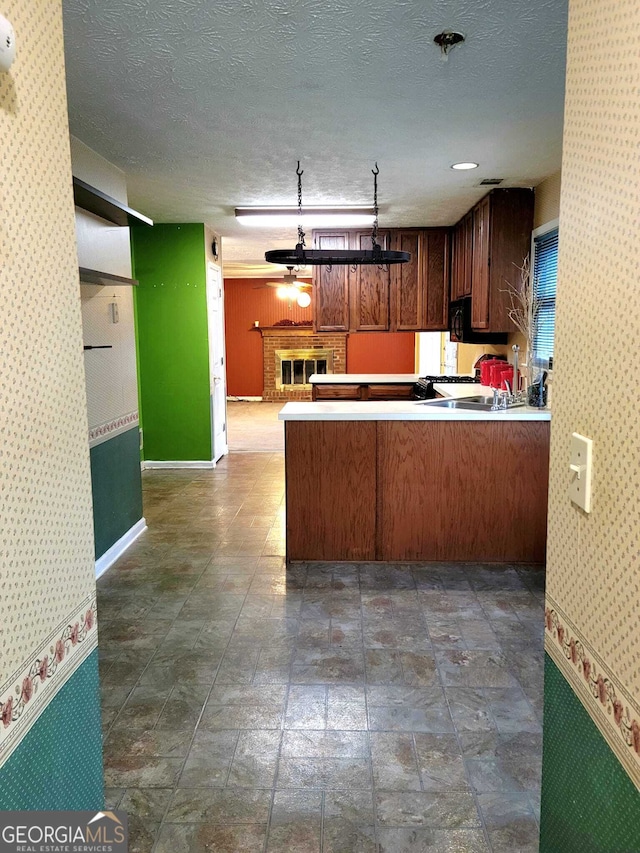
{"type": "Point", "coordinates": [523, 312]}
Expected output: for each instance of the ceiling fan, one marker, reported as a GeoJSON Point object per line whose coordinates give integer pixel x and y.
{"type": "Point", "coordinates": [291, 288]}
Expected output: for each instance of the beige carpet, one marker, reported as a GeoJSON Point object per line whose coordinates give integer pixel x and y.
{"type": "Point", "coordinates": [254, 427]}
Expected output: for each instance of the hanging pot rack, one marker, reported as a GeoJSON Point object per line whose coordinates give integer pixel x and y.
{"type": "Point", "coordinates": [301, 256]}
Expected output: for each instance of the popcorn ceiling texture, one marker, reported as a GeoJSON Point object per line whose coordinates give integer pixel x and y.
{"type": "Point", "coordinates": [46, 543]}
{"type": "Point", "coordinates": [592, 572]}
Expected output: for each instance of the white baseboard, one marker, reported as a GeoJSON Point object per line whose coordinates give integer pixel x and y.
{"type": "Point", "coordinates": [118, 548]}
{"type": "Point", "coordinates": [244, 399]}
{"type": "Point", "coordinates": [180, 463]}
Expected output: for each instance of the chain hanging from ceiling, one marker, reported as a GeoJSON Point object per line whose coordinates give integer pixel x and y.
{"type": "Point", "coordinates": [301, 256]}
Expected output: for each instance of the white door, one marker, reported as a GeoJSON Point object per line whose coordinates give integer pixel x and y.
{"type": "Point", "coordinates": [217, 369]}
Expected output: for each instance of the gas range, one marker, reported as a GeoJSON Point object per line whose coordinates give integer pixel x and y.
{"type": "Point", "coordinates": [423, 389]}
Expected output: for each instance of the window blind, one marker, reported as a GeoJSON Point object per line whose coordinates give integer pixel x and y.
{"type": "Point", "coordinates": [545, 276]}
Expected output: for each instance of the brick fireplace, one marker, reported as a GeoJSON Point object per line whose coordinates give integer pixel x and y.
{"type": "Point", "coordinates": [291, 353]}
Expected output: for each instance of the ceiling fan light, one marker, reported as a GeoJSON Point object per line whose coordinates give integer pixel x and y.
{"type": "Point", "coordinates": [282, 292]}
{"type": "Point", "coordinates": [304, 300]}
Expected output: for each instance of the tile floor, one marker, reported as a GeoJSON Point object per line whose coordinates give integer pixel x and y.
{"type": "Point", "coordinates": [254, 426]}
{"type": "Point", "coordinates": [334, 707]}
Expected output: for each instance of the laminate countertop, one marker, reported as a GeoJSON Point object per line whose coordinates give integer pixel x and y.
{"type": "Point", "coordinates": [401, 410]}
{"type": "Point", "coordinates": [363, 378]}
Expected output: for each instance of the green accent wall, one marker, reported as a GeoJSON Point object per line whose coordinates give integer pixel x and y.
{"type": "Point", "coordinates": [58, 764]}
{"type": "Point", "coordinates": [116, 487]}
{"type": "Point", "coordinates": [173, 347]}
{"type": "Point", "coordinates": [589, 804]}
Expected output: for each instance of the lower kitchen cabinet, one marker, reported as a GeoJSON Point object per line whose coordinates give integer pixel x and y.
{"type": "Point", "coordinates": [362, 391]}
{"type": "Point", "coordinates": [331, 490]}
{"type": "Point", "coordinates": [444, 490]}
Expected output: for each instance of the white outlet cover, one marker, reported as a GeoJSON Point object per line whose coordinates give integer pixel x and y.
{"type": "Point", "coordinates": [580, 471]}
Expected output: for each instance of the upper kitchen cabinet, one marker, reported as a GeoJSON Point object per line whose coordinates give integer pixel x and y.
{"type": "Point", "coordinates": [420, 288]}
{"type": "Point", "coordinates": [502, 224]}
{"type": "Point", "coordinates": [331, 285]}
{"type": "Point", "coordinates": [461, 257]}
{"type": "Point", "coordinates": [403, 297]}
{"type": "Point", "coordinates": [369, 289]}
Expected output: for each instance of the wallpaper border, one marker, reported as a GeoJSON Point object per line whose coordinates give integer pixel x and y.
{"type": "Point", "coordinates": [609, 704]}
{"type": "Point", "coordinates": [26, 694]}
{"type": "Point", "coordinates": [106, 431]}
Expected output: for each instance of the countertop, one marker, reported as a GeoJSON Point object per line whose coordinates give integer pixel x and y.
{"type": "Point", "coordinates": [363, 378]}
{"type": "Point", "coordinates": [400, 410]}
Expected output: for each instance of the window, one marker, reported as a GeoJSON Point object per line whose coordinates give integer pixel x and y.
{"type": "Point", "coordinates": [545, 276]}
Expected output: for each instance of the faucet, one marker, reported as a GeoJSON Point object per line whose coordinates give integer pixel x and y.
{"type": "Point", "coordinates": [516, 350]}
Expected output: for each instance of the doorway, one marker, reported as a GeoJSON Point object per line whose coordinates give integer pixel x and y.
{"type": "Point", "coordinates": [217, 369]}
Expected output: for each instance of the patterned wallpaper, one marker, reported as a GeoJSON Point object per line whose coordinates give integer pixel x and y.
{"type": "Point", "coordinates": [593, 582]}
{"type": "Point", "coordinates": [47, 588]}
{"type": "Point", "coordinates": [547, 200]}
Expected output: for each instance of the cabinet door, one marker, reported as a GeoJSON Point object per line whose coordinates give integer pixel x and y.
{"type": "Point", "coordinates": [458, 261]}
{"type": "Point", "coordinates": [436, 279]}
{"type": "Point", "coordinates": [467, 255]}
{"type": "Point", "coordinates": [408, 305]}
{"type": "Point", "coordinates": [480, 266]}
{"type": "Point", "coordinates": [331, 286]}
{"type": "Point", "coordinates": [370, 287]}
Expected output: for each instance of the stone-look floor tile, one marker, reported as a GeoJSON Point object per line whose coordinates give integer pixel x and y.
{"type": "Point", "coordinates": [327, 666]}
{"type": "Point", "coordinates": [394, 762]}
{"type": "Point", "coordinates": [352, 774]}
{"type": "Point", "coordinates": [510, 822]}
{"type": "Point", "coordinates": [383, 666]}
{"type": "Point", "coordinates": [346, 708]}
{"type": "Point", "coordinates": [325, 744]}
{"type": "Point", "coordinates": [220, 717]}
{"type": "Point", "coordinates": [469, 709]}
{"type": "Point", "coordinates": [438, 811]}
{"type": "Point", "coordinates": [142, 834]}
{"type": "Point", "coordinates": [511, 710]}
{"type": "Point", "coordinates": [348, 825]}
{"type": "Point", "coordinates": [155, 743]}
{"type": "Point", "coordinates": [148, 804]}
{"type": "Point", "coordinates": [112, 797]}
{"type": "Point", "coordinates": [220, 805]}
{"type": "Point", "coordinates": [306, 708]}
{"type": "Point", "coordinates": [296, 821]}
{"type": "Point", "coordinates": [183, 707]}
{"type": "Point", "coordinates": [141, 771]}
{"type": "Point", "coordinates": [475, 669]}
{"type": "Point", "coordinates": [405, 840]}
{"type": "Point", "coordinates": [419, 669]}
{"type": "Point", "coordinates": [408, 709]}
{"type": "Point", "coordinates": [255, 760]}
{"type": "Point", "coordinates": [209, 760]}
{"type": "Point", "coordinates": [205, 838]}
{"type": "Point", "coordinates": [440, 763]}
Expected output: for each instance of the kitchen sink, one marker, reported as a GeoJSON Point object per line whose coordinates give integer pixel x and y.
{"type": "Point", "coordinates": [473, 404]}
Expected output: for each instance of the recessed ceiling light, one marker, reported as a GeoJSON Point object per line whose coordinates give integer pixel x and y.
{"type": "Point", "coordinates": [461, 167]}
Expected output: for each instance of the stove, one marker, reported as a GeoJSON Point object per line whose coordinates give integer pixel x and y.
{"type": "Point", "coordinates": [423, 389]}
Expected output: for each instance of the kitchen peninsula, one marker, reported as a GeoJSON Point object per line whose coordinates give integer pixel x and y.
{"type": "Point", "coordinates": [401, 480]}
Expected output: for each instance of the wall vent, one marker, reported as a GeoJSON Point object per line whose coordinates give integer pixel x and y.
{"type": "Point", "coordinates": [490, 182]}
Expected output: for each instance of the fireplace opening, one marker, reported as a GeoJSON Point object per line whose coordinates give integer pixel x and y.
{"type": "Point", "coordinates": [294, 368]}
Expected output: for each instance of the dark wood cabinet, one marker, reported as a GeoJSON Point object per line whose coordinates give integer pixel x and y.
{"type": "Point", "coordinates": [369, 289]}
{"type": "Point", "coordinates": [404, 297]}
{"type": "Point", "coordinates": [502, 224]}
{"type": "Point", "coordinates": [461, 257]}
{"type": "Point", "coordinates": [480, 267]}
{"type": "Point", "coordinates": [331, 286]}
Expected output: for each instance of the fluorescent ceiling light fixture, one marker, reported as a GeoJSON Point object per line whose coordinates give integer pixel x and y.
{"type": "Point", "coordinates": [462, 167]}
{"type": "Point", "coordinates": [284, 217]}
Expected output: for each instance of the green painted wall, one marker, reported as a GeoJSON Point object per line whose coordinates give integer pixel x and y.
{"type": "Point", "coordinates": [58, 764]}
{"type": "Point", "coordinates": [589, 805]}
{"type": "Point", "coordinates": [117, 488]}
{"type": "Point", "coordinates": [173, 349]}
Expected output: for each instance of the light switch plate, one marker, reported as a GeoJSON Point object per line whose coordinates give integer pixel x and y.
{"type": "Point", "coordinates": [580, 470]}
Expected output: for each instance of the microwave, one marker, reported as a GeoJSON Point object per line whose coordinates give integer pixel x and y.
{"type": "Point", "coordinates": [460, 326]}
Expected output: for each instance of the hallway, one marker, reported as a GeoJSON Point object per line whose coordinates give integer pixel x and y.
{"type": "Point", "coordinates": [338, 708]}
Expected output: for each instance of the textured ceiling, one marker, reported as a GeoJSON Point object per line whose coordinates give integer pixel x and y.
{"type": "Point", "coordinates": [207, 104]}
